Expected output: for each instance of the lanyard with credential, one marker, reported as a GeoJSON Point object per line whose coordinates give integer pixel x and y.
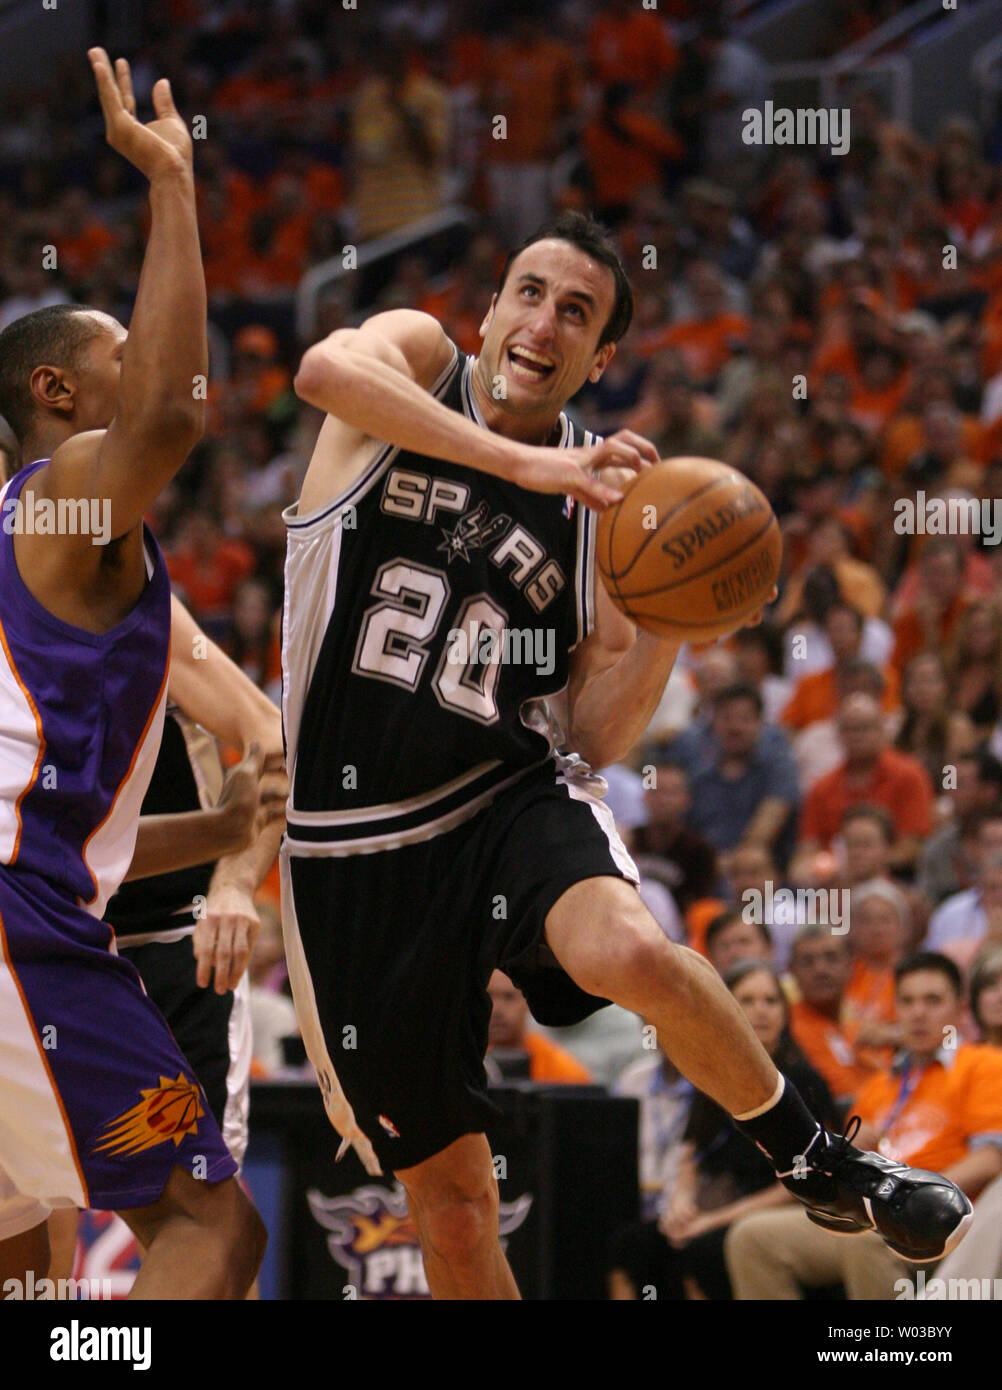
{"type": "Point", "coordinates": [909, 1080]}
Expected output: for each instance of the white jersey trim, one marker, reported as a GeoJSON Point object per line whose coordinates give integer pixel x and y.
{"type": "Point", "coordinates": [339, 1112]}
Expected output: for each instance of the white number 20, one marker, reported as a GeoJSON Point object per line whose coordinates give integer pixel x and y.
{"type": "Point", "coordinates": [396, 632]}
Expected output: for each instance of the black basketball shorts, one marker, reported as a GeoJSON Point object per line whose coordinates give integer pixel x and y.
{"type": "Point", "coordinates": [212, 1030]}
{"type": "Point", "coordinates": [400, 944]}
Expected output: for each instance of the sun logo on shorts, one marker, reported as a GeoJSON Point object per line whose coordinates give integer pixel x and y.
{"type": "Point", "coordinates": [390, 1127]}
{"type": "Point", "coordinates": [171, 1110]}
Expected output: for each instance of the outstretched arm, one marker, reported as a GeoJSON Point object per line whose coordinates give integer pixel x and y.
{"type": "Point", "coordinates": [158, 419]}
{"type": "Point", "coordinates": [212, 690]}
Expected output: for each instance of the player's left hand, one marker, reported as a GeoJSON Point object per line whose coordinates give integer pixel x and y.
{"type": "Point", "coordinates": [225, 936]}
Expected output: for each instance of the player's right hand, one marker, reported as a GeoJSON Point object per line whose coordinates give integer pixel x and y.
{"type": "Point", "coordinates": [578, 471]}
{"type": "Point", "coordinates": [161, 147]}
{"type": "Point", "coordinates": [239, 799]}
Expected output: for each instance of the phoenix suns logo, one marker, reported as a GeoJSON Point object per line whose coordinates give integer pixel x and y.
{"type": "Point", "coordinates": [372, 1237]}
{"type": "Point", "coordinates": [171, 1110]}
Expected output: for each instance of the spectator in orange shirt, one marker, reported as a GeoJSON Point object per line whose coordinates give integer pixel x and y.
{"type": "Point", "coordinates": [536, 86]}
{"type": "Point", "coordinates": [939, 1107]}
{"type": "Point", "coordinates": [872, 773]}
{"type": "Point", "coordinates": [816, 696]}
{"type": "Point", "coordinates": [629, 44]}
{"type": "Point", "coordinates": [930, 620]}
{"type": "Point", "coordinates": [820, 965]}
{"type": "Point", "coordinates": [628, 150]}
{"type": "Point", "coordinates": [208, 567]}
{"type": "Point", "coordinates": [708, 339]}
{"type": "Point", "coordinates": [878, 931]}
{"type": "Point", "coordinates": [510, 1031]}
{"type": "Point", "coordinates": [83, 238]}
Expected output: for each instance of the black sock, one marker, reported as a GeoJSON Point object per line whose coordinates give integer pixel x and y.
{"type": "Point", "coordinates": [785, 1131]}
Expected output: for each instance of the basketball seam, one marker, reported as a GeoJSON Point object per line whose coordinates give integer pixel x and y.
{"type": "Point", "coordinates": [689, 578]}
{"type": "Point", "coordinates": [691, 497]}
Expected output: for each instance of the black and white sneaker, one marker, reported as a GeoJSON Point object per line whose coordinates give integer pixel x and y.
{"type": "Point", "coordinates": [921, 1216]}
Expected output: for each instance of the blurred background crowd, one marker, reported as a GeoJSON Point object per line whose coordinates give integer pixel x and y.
{"type": "Point", "coordinates": [829, 324]}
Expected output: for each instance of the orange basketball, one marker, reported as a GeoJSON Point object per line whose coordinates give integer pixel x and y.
{"type": "Point", "coordinates": [692, 550]}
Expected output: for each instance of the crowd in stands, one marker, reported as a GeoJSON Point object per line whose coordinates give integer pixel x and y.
{"type": "Point", "coordinates": [830, 325]}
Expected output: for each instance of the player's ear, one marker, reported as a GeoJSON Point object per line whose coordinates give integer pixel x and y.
{"type": "Point", "coordinates": [51, 389]}
{"type": "Point", "coordinates": [603, 357]}
{"type": "Point", "coordinates": [488, 316]}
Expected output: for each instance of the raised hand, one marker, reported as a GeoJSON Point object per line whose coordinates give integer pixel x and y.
{"type": "Point", "coordinates": [577, 471]}
{"type": "Point", "coordinates": [161, 147]}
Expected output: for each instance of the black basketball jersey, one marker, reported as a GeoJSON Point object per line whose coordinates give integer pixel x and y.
{"type": "Point", "coordinates": [164, 904]}
{"type": "Point", "coordinates": [429, 611]}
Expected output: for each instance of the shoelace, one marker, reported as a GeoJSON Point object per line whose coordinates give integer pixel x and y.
{"type": "Point", "coordinates": [838, 1146]}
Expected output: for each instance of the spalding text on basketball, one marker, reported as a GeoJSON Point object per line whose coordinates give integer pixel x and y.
{"type": "Point", "coordinates": [681, 547]}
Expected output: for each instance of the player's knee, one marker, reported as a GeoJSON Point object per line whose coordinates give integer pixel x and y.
{"type": "Point", "coordinates": [243, 1237]}
{"type": "Point", "coordinates": [459, 1226]}
{"type": "Point", "coordinates": [640, 959]}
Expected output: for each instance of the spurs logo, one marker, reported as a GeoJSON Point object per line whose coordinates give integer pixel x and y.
{"type": "Point", "coordinates": [472, 532]}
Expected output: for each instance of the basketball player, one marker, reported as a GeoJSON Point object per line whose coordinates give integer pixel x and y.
{"type": "Point", "coordinates": [434, 833]}
{"type": "Point", "coordinates": [98, 1107]}
{"type": "Point", "coordinates": [185, 914]}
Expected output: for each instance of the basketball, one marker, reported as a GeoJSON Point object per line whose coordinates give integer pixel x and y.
{"type": "Point", "coordinates": [691, 551]}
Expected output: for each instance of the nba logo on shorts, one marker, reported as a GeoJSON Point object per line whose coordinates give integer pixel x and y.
{"type": "Point", "coordinates": [568, 507]}
{"type": "Point", "coordinates": [390, 1127]}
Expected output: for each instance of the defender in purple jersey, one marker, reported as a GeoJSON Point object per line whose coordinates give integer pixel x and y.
{"type": "Point", "coordinates": [98, 1107]}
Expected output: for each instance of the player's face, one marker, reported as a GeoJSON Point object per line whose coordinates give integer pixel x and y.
{"type": "Point", "coordinates": [541, 332]}
{"type": "Point", "coordinates": [927, 1007]}
{"type": "Point", "coordinates": [98, 376]}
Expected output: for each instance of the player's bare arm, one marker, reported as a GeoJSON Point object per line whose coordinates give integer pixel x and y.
{"type": "Point", "coordinates": [166, 843]}
{"type": "Point", "coordinates": [617, 677]}
{"type": "Point", "coordinates": [212, 690]}
{"type": "Point", "coordinates": [158, 419]}
{"type": "Point", "coordinates": [374, 384]}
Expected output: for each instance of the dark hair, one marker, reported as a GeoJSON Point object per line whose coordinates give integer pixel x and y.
{"type": "Point", "coordinates": [726, 919]}
{"type": "Point", "coordinates": [859, 666]}
{"type": "Point", "coordinates": [55, 336]}
{"type": "Point", "coordinates": [594, 240]}
{"type": "Point", "coordinates": [739, 692]}
{"type": "Point", "coordinates": [989, 768]}
{"type": "Point", "coordinates": [768, 638]}
{"type": "Point", "coordinates": [877, 814]}
{"type": "Point", "coordinates": [930, 960]}
{"type": "Point", "coordinates": [986, 970]}
{"type": "Point", "coordinates": [742, 968]}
